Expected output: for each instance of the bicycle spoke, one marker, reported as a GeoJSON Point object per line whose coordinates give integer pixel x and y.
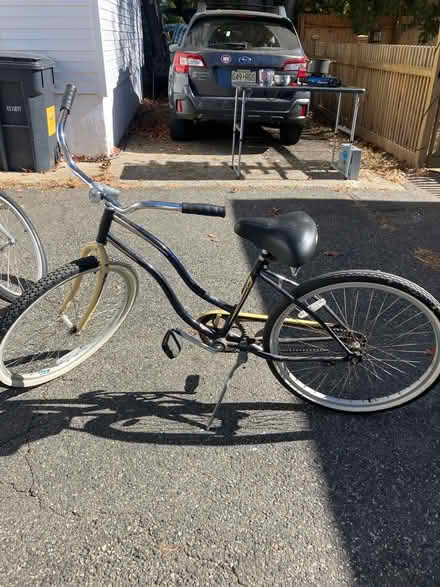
{"type": "Point", "coordinates": [355, 309]}
{"type": "Point", "coordinates": [380, 361]}
{"type": "Point", "coordinates": [341, 314]}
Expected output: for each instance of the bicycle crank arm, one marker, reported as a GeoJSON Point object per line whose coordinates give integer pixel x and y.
{"type": "Point", "coordinates": [172, 347]}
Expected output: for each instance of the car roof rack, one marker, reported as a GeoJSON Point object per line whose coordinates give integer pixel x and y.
{"type": "Point", "coordinates": [251, 5]}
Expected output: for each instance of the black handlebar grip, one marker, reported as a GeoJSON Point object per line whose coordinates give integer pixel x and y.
{"type": "Point", "coordinates": [68, 97]}
{"type": "Point", "coordinates": [203, 209]}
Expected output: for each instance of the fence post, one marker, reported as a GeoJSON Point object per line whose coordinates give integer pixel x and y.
{"type": "Point", "coordinates": [301, 27]}
{"type": "Point", "coordinates": [429, 111]}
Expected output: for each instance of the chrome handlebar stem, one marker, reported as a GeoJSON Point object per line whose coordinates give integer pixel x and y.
{"type": "Point", "coordinates": [99, 191]}
{"type": "Point", "coordinates": [66, 151]}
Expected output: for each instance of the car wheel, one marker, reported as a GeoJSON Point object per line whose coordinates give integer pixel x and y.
{"type": "Point", "coordinates": [180, 130]}
{"type": "Point", "coordinates": [290, 134]}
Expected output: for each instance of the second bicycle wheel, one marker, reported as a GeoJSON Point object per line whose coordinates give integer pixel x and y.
{"type": "Point", "coordinates": [392, 325]}
{"type": "Point", "coordinates": [22, 257]}
{"type": "Point", "coordinates": [39, 343]}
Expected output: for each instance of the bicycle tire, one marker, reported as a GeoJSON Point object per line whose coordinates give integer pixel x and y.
{"type": "Point", "coordinates": [62, 346]}
{"type": "Point", "coordinates": [34, 266]}
{"type": "Point", "coordinates": [384, 362]}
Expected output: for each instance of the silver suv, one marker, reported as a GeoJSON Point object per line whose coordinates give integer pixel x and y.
{"type": "Point", "coordinates": [224, 45]}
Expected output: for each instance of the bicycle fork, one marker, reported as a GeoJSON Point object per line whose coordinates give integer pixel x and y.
{"type": "Point", "coordinates": [101, 253]}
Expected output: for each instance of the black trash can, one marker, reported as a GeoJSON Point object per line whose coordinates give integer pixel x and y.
{"type": "Point", "coordinates": [27, 112]}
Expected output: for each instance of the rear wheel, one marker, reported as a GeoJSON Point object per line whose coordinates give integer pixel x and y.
{"type": "Point", "coordinates": [40, 343]}
{"type": "Point", "coordinates": [22, 257]}
{"type": "Point", "coordinates": [390, 323]}
{"type": "Point", "coordinates": [290, 134]}
{"type": "Point", "coordinates": [181, 129]}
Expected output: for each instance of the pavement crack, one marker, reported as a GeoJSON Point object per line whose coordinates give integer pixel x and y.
{"type": "Point", "coordinates": [32, 491]}
{"type": "Point", "coordinates": [234, 572]}
{"type": "Point", "coordinates": [14, 487]}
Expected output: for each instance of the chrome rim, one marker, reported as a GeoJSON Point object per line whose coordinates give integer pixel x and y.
{"type": "Point", "coordinates": [396, 335]}
{"type": "Point", "coordinates": [41, 343]}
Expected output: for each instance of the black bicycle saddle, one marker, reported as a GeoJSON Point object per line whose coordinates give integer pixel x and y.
{"type": "Point", "coordinates": [290, 238]}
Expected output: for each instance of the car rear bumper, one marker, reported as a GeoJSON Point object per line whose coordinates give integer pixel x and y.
{"type": "Point", "coordinates": [261, 110]}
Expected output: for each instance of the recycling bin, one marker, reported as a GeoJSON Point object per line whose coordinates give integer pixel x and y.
{"type": "Point", "coordinates": [27, 112]}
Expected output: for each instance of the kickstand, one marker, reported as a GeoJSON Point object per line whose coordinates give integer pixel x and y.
{"type": "Point", "coordinates": [241, 360]}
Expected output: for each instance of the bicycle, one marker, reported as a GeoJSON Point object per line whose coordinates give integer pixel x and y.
{"type": "Point", "coordinates": [22, 257]}
{"type": "Point", "coordinates": [356, 341]}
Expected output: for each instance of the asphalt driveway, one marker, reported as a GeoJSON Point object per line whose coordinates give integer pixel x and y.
{"type": "Point", "coordinates": [106, 478]}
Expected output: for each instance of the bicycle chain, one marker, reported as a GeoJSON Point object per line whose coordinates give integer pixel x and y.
{"type": "Point", "coordinates": [339, 331]}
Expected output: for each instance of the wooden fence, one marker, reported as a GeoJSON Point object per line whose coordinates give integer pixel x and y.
{"type": "Point", "coordinates": [399, 109]}
{"type": "Point", "coordinates": [338, 29]}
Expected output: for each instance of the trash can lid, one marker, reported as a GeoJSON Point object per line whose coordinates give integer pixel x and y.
{"type": "Point", "coordinates": [16, 60]}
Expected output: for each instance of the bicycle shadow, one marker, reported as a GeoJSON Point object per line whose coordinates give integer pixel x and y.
{"type": "Point", "coordinates": [381, 471]}
{"type": "Point", "coordinates": [157, 417]}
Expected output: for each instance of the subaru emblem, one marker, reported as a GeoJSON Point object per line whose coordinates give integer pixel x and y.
{"type": "Point", "coordinates": [245, 59]}
{"type": "Point", "coordinates": [226, 59]}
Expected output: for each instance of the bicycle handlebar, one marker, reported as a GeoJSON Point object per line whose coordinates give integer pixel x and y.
{"type": "Point", "coordinates": [100, 191]}
{"type": "Point", "coordinates": [203, 209]}
{"type": "Point", "coordinates": [68, 97]}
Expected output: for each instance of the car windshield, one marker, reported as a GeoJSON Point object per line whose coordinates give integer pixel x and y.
{"type": "Point", "coordinates": [240, 33]}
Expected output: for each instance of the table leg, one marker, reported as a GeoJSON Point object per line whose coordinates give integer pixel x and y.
{"type": "Point", "coordinates": [243, 108]}
{"type": "Point", "coordinates": [352, 133]}
{"type": "Point", "coordinates": [234, 127]}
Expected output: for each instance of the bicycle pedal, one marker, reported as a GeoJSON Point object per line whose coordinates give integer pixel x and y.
{"type": "Point", "coordinates": [171, 345]}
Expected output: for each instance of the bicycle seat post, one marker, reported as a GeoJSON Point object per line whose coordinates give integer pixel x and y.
{"type": "Point", "coordinates": [242, 358]}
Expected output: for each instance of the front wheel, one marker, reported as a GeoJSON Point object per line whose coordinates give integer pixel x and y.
{"type": "Point", "coordinates": [391, 324]}
{"type": "Point", "coordinates": [40, 337]}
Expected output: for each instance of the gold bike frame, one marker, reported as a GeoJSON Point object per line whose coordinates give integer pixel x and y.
{"type": "Point", "coordinates": [250, 317]}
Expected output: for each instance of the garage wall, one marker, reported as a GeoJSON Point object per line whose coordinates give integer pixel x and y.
{"type": "Point", "coordinates": [122, 52]}
{"type": "Point", "coordinates": [97, 45]}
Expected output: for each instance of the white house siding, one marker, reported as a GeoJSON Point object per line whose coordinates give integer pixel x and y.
{"type": "Point", "coordinates": [122, 50]}
{"type": "Point", "coordinates": [104, 64]}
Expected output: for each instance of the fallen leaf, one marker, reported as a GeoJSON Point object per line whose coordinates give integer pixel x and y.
{"type": "Point", "coordinates": [212, 236]}
{"type": "Point", "coordinates": [166, 548]}
{"type": "Point", "coordinates": [387, 226]}
{"type": "Point", "coordinates": [428, 257]}
{"type": "Point", "coordinates": [332, 253]}
{"type": "Point", "coordinates": [275, 211]}
{"type": "Point", "coordinates": [105, 164]}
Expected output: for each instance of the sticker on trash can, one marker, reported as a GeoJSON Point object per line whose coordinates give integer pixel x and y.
{"type": "Point", "coordinates": [51, 122]}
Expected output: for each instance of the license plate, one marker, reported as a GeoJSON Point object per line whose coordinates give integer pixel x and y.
{"type": "Point", "coordinates": [244, 75]}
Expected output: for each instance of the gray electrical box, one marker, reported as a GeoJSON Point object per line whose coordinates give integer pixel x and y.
{"type": "Point", "coordinates": [355, 162]}
{"type": "Point", "coordinates": [27, 112]}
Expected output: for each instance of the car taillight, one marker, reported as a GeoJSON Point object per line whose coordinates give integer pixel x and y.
{"type": "Point", "coordinates": [298, 64]}
{"type": "Point", "coordinates": [183, 61]}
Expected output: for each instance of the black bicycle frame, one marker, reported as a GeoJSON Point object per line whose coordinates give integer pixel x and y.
{"type": "Point", "coordinates": [260, 269]}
